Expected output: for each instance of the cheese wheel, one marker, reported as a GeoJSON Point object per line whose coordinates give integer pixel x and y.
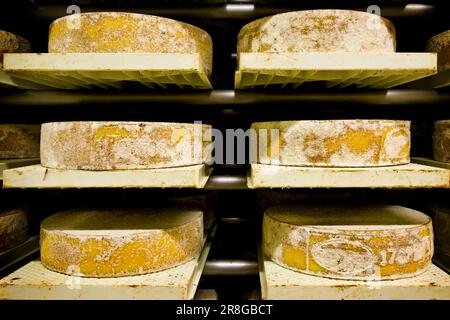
{"type": "Point", "coordinates": [13, 227]}
{"type": "Point", "coordinates": [11, 43]}
{"type": "Point", "coordinates": [333, 143]}
{"type": "Point", "coordinates": [123, 145]}
{"type": "Point", "coordinates": [441, 223]}
{"type": "Point", "coordinates": [441, 44]}
{"type": "Point", "coordinates": [203, 202]}
{"type": "Point", "coordinates": [441, 141]}
{"type": "Point", "coordinates": [318, 31]}
{"type": "Point", "coordinates": [358, 242]}
{"type": "Point", "coordinates": [19, 141]}
{"type": "Point", "coordinates": [120, 242]}
{"type": "Point", "coordinates": [128, 32]}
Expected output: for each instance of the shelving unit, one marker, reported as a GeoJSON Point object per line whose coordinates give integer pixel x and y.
{"type": "Point", "coordinates": [234, 252]}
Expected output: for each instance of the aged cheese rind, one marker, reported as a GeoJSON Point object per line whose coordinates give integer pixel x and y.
{"type": "Point", "coordinates": [124, 145]}
{"type": "Point", "coordinates": [441, 141]}
{"type": "Point", "coordinates": [334, 143]}
{"type": "Point", "coordinates": [441, 44]}
{"type": "Point", "coordinates": [11, 43]}
{"type": "Point", "coordinates": [19, 141]}
{"type": "Point", "coordinates": [128, 32]}
{"type": "Point", "coordinates": [13, 227]}
{"type": "Point", "coordinates": [349, 242]}
{"type": "Point", "coordinates": [318, 31]}
{"type": "Point", "coordinates": [441, 224]}
{"type": "Point", "coordinates": [120, 242]}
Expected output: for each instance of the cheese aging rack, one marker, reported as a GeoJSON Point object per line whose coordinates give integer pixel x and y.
{"type": "Point", "coordinates": [232, 264]}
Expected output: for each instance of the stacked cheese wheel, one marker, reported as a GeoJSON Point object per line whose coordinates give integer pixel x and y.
{"type": "Point", "coordinates": [333, 143]}
{"type": "Point", "coordinates": [128, 32]}
{"type": "Point", "coordinates": [19, 141]}
{"type": "Point", "coordinates": [120, 242]}
{"type": "Point", "coordinates": [124, 145]}
{"type": "Point", "coordinates": [357, 242]}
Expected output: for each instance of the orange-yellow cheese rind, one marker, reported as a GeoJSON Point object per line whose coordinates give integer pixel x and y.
{"type": "Point", "coordinates": [333, 143]}
{"type": "Point", "coordinates": [128, 32]}
{"type": "Point", "coordinates": [349, 252]}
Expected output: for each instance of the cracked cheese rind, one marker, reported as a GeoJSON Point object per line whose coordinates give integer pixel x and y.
{"type": "Point", "coordinates": [349, 242]}
{"type": "Point", "coordinates": [19, 141]}
{"type": "Point", "coordinates": [441, 141]}
{"type": "Point", "coordinates": [124, 145]}
{"type": "Point", "coordinates": [13, 227]}
{"type": "Point", "coordinates": [128, 32]}
{"type": "Point", "coordinates": [318, 31]}
{"type": "Point", "coordinates": [333, 143]}
{"type": "Point", "coordinates": [441, 44]}
{"type": "Point", "coordinates": [120, 242]}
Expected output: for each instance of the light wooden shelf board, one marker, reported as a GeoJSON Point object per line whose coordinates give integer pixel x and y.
{"type": "Point", "coordinates": [373, 70]}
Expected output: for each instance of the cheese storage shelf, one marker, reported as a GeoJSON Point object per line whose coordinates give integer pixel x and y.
{"type": "Point", "coordinates": [34, 282]}
{"type": "Point", "coordinates": [281, 283]}
{"type": "Point", "coordinates": [14, 163]}
{"type": "Point", "coordinates": [37, 176]}
{"type": "Point", "coordinates": [372, 70]}
{"type": "Point", "coordinates": [220, 99]}
{"type": "Point", "coordinates": [105, 70]}
{"type": "Point", "coordinates": [401, 176]}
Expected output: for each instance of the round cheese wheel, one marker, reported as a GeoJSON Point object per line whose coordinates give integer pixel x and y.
{"type": "Point", "coordinates": [13, 227]}
{"type": "Point", "coordinates": [128, 32]}
{"type": "Point", "coordinates": [441, 141]}
{"type": "Point", "coordinates": [333, 143]}
{"type": "Point", "coordinates": [441, 44]}
{"type": "Point", "coordinates": [318, 31]}
{"type": "Point", "coordinates": [358, 242]}
{"type": "Point", "coordinates": [123, 145]}
{"type": "Point", "coordinates": [119, 242]}
{"type": "Point", "coordinates": [19, 141]}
